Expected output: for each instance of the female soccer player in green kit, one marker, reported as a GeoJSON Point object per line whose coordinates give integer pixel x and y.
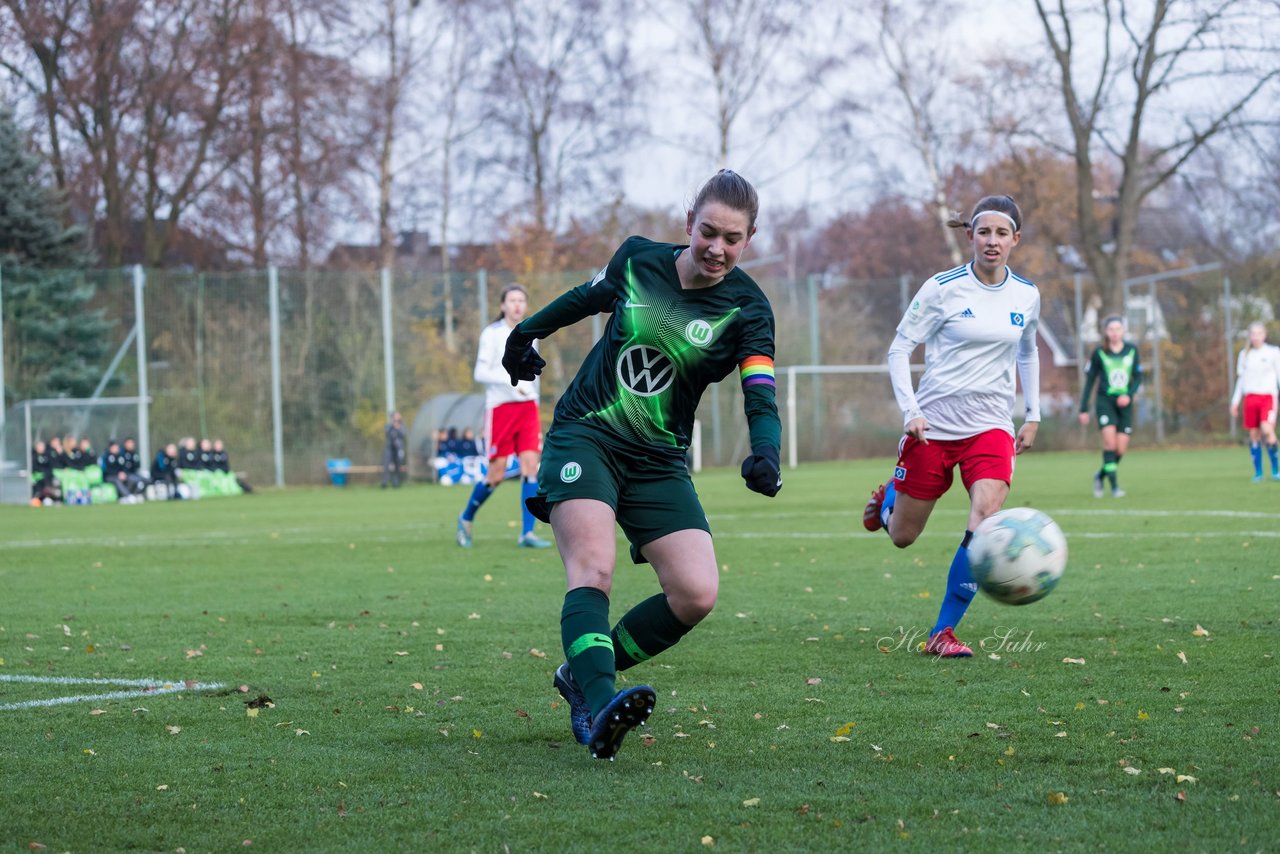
{"type": "Point", "coordinates": [1116, 369]}
{"type": "Point", "coordinates": [683, 317]}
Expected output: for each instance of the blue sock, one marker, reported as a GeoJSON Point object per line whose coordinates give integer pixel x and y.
{"type": "Point", "coordinates": [1275, 461]}
{"type": "Point", "coordinates": [479, 495]}
{"type": "Point", "coordinates": [1255, 451]}
{"type": "Point", "coordinates": [528, 489]}
{"type": "Point", "coordinates": [886, 509]}
{"type": "Point", "coordinates": [961, 588]}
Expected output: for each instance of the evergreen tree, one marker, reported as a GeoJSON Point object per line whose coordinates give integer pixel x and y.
{"type": "Point", "coordinates": [54, 343]}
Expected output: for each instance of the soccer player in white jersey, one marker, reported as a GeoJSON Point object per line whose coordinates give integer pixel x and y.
{"type": "Point", "coordinates": [1257, 377]}
{"type": "Point", "coordinates": [512, 423]}
{"type": "Point", "coordinates": [977, 323]}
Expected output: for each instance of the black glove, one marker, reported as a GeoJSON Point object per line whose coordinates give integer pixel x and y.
{"type": "Point", "coordinates": [520, 360]}
{"type": "Point", "coordinates": [762, 472]}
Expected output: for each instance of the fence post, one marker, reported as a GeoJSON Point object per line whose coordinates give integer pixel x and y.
{"type": "Point", "coordinates": [482, 295]}
{"type": "Point", "coordinates": [2, 406]}
{"type": "Point", "coordinates": [144, 397]}
{"type": "Point", "coordinates": [277, 419]}
{"type": "Point", "coordinates": [388, 354]}
{"type": "Point", "coordinates": [792, 456]}
{"type": "Point", "coordinates": [1228, 337]}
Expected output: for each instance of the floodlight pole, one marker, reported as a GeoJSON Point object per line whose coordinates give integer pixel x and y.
{"type": "Point", "coordinates": [144, 398]}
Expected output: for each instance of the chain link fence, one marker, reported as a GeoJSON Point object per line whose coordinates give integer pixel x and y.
{"type": "Point", "coordinates": [291, 386]}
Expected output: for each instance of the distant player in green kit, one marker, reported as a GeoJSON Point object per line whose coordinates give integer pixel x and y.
{"type": "Point", "coordinates": [1118, 373]}
{"type": "Point", "coordinates": [683, 317]}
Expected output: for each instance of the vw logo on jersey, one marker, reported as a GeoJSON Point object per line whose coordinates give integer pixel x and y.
{"type": "Point", "coordinates": [1016, 318]}
{"type": "Point", "coordinates": [570, 472]}
{"type": "Point", "coordinates": [1119, 377]}
{"type": "Point", "coordinates": [699, 333]}
{"type": "Point", "coordinates": [645, 370]}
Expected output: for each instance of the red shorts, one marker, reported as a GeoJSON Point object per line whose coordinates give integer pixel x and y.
{"type": "Point", "coordinates": [926, 472]}
{"type": "Point", "coordinates": [1257, 408]}
{"type": "Point", "coordinates": [513, 428]}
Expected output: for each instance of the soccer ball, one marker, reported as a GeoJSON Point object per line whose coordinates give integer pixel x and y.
{"type": "Point", "coordinates": [1017, 555]}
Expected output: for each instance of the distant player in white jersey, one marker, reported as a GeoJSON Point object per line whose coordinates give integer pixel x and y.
{"type": "Point", "coordinates": [1257, 377]}
{"type": "Point", "coordinates": [512, 423]}
{"type": "Point", "coordinates": [978, 325]}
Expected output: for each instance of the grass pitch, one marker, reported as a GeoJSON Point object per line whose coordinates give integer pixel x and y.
{"type": "Point", "coordinates": [411, 705]}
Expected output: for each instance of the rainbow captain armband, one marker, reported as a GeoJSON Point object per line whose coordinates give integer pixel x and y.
{"type": "Point", "coordinates": [757, 371]}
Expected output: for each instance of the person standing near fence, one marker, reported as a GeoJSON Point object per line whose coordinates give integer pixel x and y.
{"type": "Point", "coordinates": [682, 317]}
{"type": "Point", "coordinates": [1117, 370]}
{"type": "Point", "coordinates": [513, 424]}
{"type": "Point", "coordinates": [1257, 377]}
{"type": "Point", "coordinates": [393, 452]}
{"type": "Point", "coordinates": [978, 324]}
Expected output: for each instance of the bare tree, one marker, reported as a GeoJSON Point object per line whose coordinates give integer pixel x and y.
{"type": "Point", "coordinates": [912, 42]}
{"type": "Point", "coordinates": [758, 63]}
{"type": "Point", "coordinates": [560, 94]}
{"type": "Point", "coordinates": [1155, 84]}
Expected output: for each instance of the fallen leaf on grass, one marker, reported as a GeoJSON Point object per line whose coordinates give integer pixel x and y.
{"type": "Point", "coordinates": [839, 738]}
{"type": "Point", "coordinates": [1182, 656]}
{"type": "Point", "coordinates": [709, 841]}
{"type": "Point", "coordinates": [1132, 771]}
{"type": "Point", "coordinates": [1166, 770]}
{"type": "Point", "coordinates": [97, 712]}
{"type": "Point", "coordinates": [417, 686]}
{"type": "Point", "coordinates": [751, 802]}
{"type": "Point", "coordinates": [163, 787]}
{"type": "Point", "coordinates": [1056, 799]}
{"type": "Point", "coordinates": [1185, 778]}
{"type": "Point", "coordinates": [846, 729]}
{"type": "Point", "coordinates": [342, 809]}
{"type": "Point", "coordinates": [1181, 797]}
{"type": "Point", "coordinates": [537, 653]}
{"type": "Point", "coordinates": [540, 796]}
{"type": "Point", "coordinates": [1200, 631]}
{"type": "Point", "coordinates": [173, 730]}
{"type": "Point", "coordinates": [1143, 716]}
{"type": "Point", "coordinates": [1073, 661]}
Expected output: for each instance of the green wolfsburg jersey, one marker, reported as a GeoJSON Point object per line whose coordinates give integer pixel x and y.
{"type": "Point", "coordinates": [1115, 373]}
{"type": "Point", "coordinates": [661, 347]}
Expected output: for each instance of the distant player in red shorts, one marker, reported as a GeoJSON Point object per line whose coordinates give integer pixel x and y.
{"type": "Point", "coordinates": [1257, 380]}
{"type": "Point", "coordinates": [512, 424]}
{"type": "Point", "coordinates": [977, 323]}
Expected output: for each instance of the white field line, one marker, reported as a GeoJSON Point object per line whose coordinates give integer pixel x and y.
{"type": "Point", "coordinates": [415, 530]}
{"type": "Point", "coordinates": [1071, 535]}
{"type": "Point", "coordinates": [141, 688]}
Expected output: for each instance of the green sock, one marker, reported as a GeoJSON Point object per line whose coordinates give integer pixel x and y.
{"type": "Point", "coordinates": [1109, 466]}
{"type": "Point", "coordinates": [646, 630]}
{"type": "Point", "coordinates": [584, 631]}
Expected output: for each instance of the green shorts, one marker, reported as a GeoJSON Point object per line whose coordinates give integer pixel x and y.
{"type": "Point", "coordinates": [1110, 415]}
{"type": "Point", "coordinates": [650, 496]}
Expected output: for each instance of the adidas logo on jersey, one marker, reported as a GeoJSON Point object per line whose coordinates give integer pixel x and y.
{"type": "Point", "coordinates": [968, 312]}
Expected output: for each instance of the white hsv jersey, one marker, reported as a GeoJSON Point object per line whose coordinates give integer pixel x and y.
{"type": "Point", "coordinates": [497, 383]}
{"type": "Point", "coordinates": [974, 336]}
{"type": "Point", "coordinates": [1257, 371]}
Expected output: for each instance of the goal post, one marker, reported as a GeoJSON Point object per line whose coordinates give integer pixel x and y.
{"type": "Point", "coordinates": [98, 419]}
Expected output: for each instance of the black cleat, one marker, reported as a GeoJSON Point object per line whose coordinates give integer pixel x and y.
{"type": "Point", "coordinates": [626, 711]}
